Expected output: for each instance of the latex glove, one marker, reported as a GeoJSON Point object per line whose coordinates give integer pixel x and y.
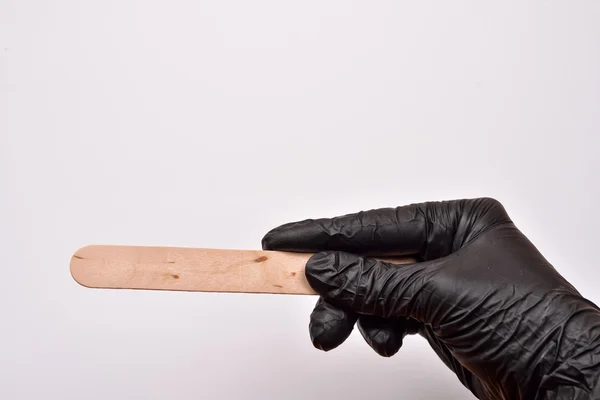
{"type": "Point", "coordinates": [491, 306]}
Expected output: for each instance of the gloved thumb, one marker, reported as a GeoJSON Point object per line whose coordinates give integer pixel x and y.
{"type": "Point", "coordinates": [371, 287]}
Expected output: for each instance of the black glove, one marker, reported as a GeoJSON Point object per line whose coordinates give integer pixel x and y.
{"type": "Point", "coordinates": [490, 305]}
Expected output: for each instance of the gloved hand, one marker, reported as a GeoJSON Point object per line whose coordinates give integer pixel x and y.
{"type": "Point", "coordinates": [489, 304]}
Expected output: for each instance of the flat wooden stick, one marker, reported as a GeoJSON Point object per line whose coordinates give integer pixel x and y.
{"type": "Point", "coordinates": [193, 269]}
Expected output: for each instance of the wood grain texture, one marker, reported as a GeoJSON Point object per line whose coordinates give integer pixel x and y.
{"type": "Point", "coordinates": [193, 269]}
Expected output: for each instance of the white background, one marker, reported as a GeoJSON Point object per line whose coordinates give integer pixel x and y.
{"type": "Point", "coordinates": [207, 123]}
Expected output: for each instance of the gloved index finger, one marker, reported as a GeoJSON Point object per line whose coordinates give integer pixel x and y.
{"type": "Point", "coordinates": [406, 230]}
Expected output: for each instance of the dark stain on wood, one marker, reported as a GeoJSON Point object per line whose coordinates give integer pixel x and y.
{"type": "Point", "coordinates": [170, 262]}
{"type": "Point", "coordinates": [78, 257]}
{"type": "Point", "coordinates": [261, 259]}
{"type": "Point", "coordinates": [293, 274]}
{"type": "Point", "coordinates": [279, 286]}
{"type": "Point", "coordinates": [174, 276]}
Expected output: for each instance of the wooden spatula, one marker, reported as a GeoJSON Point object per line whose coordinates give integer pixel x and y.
{"type": "Point", "coordinates": [193, 269]}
